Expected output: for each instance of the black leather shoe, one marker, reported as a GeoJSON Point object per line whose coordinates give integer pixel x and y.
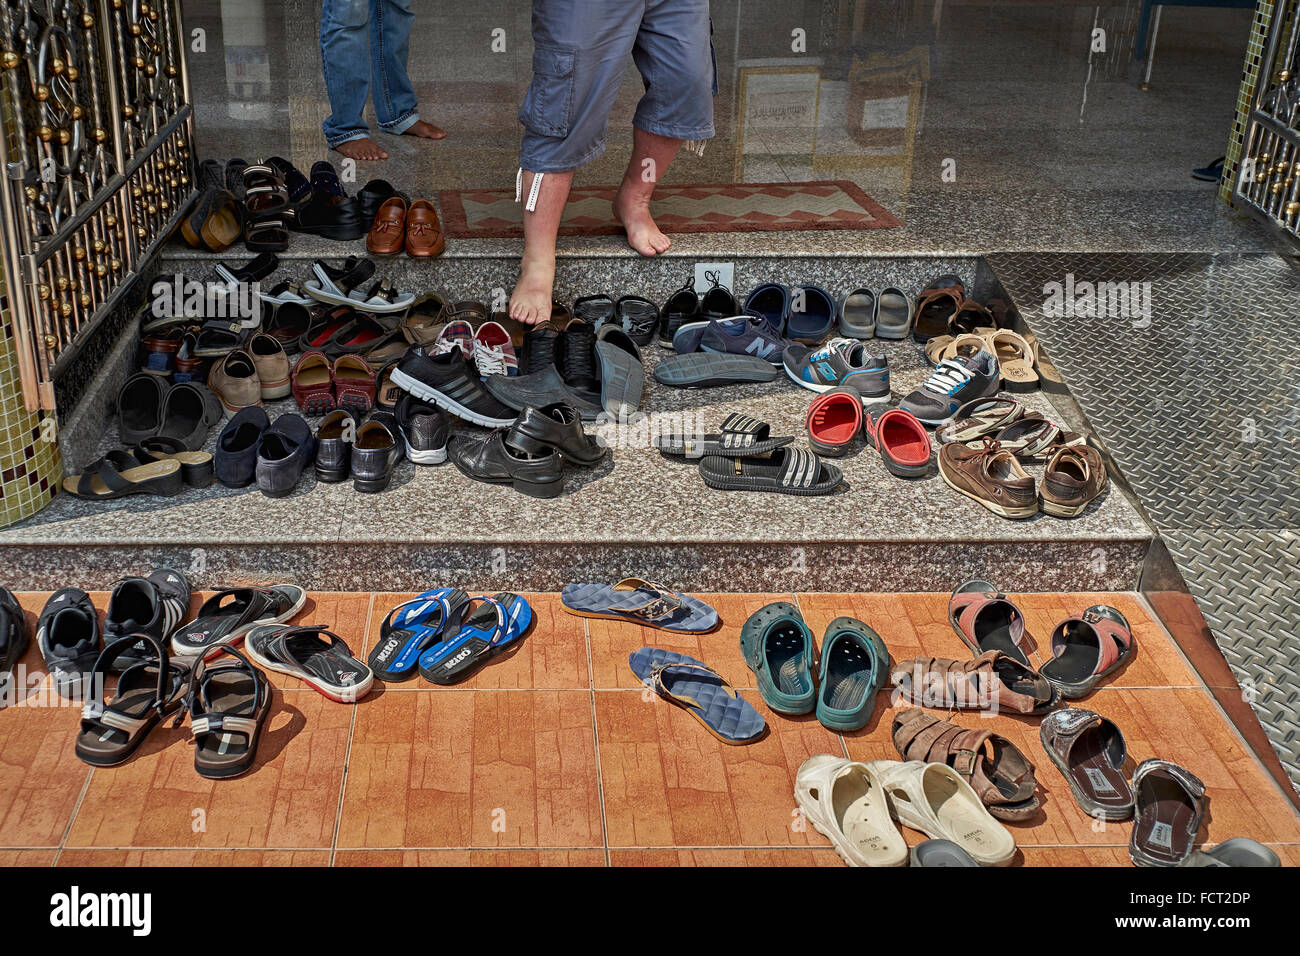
{"type": "Point", "coordinates": [334, 440]}
{"type": "Point", "coordinates": [491, 460]}
{"type": "Point", "coordinates": [576, 357]}
{"type": "Point", "coordinates": [557, 427]}
{"type": "Point", "coordinates": [375, 453]}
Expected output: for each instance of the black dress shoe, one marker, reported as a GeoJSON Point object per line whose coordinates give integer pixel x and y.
{"type": "Point", "coordinates": [557, 427]}
{"type": "Point", "coordinates": [491, 460]}
{"type": "Point", "coordinates": [334, 440]}
{"type": "Point", "coordinates": [375, 453]}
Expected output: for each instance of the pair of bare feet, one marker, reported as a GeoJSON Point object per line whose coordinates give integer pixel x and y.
{"type": "Point", "coordinates": [531, 300]}
{"type": "Point", "coordinates": [366, 149]}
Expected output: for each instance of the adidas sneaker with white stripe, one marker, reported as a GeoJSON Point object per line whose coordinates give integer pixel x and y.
{"type": "Point", "coordinates": [154, 605]}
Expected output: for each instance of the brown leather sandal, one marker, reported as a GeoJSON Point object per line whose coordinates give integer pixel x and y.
{"type": "Point", "coordinates": [994, 767]}
{"type": "Point", "coordinates": [993, 681]}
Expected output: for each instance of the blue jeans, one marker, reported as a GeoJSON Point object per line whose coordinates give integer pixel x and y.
{"type": "Point", "coordinates": [352, 33]}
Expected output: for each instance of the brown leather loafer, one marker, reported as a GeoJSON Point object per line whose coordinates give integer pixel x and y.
{"type": "Point", "coordinates": [388, 231]}
{"type": "Point", "coordinates": [991, 476]}
{"type": "Point", "coordinates": [423, 230]}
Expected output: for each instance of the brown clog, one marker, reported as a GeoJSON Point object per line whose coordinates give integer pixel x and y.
{"type": "Point", "coordinates": [424, 238]}
{"type": "Point", "coordinates": [388, 232]}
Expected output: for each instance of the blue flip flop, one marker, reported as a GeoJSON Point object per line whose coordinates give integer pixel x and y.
{"type": "Point", "coordinates": [700, 691]}
{"type": "Point", "coordinates": [484, 632]}
{"type": "Point", "coordinates": [778, 648]}
{"type": "Point", "coordinates": [641, 602]}
{"type": "Point", "coordinates": [411, 627]}
{"type": "Point", "coordinates": [855, 665]}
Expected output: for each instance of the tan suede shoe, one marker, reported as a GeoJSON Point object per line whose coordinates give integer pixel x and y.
{"type": "Point", "coordinates": [272, 365]}
{"type": "Point", "coordinates": [234, 380]}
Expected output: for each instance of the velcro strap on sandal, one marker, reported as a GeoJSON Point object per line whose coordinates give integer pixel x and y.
{"type": "Point", "coordinates": [98, 713]}
{"type": "Point", "coordinates": [801, 468]}
{"type": "Point", "coordinates": [739, 425]}
{"type": "Point", "coordinates": [215, 723]}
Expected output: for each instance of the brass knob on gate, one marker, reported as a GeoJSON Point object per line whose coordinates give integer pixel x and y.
{"type": "Point", "coordinates": [65, 137]}
{"type": "Point", "coordinates": [1292, 208]}
{"type": "Point", "coordinates": [51, 342]}
{"type": "Point", "coordinates": [117, 4]}
{"type": "Point", "coordinates": [164, 205]}
{"type": "Point", "coordinates": [79, 252]}
{"type": "Point", "coordinates": [45, 134]}
{"type": "Point", "coordinates": [101, 270]}
{"type": "Point", "coordinates": [152, 209]}
{"type": "Point", "coordinates": [141, 232]}
{"type": "Point", "coordinates": [10, 60]}
{"type": "Point", "coordinates": [61, 283]}
{"type": "Point", "coordinates": [1275, 189]}
{"type": "Point", "coordinates": [31, 193]}
{"type": "Point", "coordinates": [115, 264]}
{"type": "Point", "coordinates": [128, 111]}
{"type": "Point", "coordinates": [1284, 76]}
{"type": "Point", "coordinates": [77, 111]}
{"type": "Point", "coordinates": [65, 308]}
{"type": "Point", "coordinates": [152, 15]}
{"type": "Point", "coordinates": [43, 291]}
{"type": "Point", "coordinates": [85, 300]}
{"type": "Point", "coordinates": [73, 74]}
{"type": "Point", "coordinates": [42, 93]}
{"type": "Point", "coordinates": [110, 220]}
{"type": "Point", "coordinates": [139, 63]}
{"type": "Point", "coordinates": [57, 65]}
{"type": "Point", "coordinates": [144, 9]}
{"type": "Point", "coordinates": [99, 245]}
{"type": "Point", "coordinates": [171, 71]}
{"type": "Point", "coordinates": [173, 182]}
{"type": "Point", "coordinates": [136, 192]}
{"type": "Point", "coordinates": [87, 22]}
{"type": "Point", "coordinates": [100, 134]}
{"type": "Point", "coordinates": [135, 29]}
{"type": "Point", "coordinates": [185, 180]}
{"type": "Point", "coordinates": [1263, 160]}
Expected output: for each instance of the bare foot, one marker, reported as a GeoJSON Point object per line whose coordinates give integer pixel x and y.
{"type": "Point", "coordinates": [531, 301]}
{"type": "Point", "coordinates": [364, 148]}
{"type": "Point", "coordinates": [633, 214]}
{"type": "Point", "coordinates": [425, 130]}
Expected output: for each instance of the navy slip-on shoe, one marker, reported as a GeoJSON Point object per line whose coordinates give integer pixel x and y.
{"type": "Point", "coordinates": [286, 449]}
{"type": "Point", "coordinates": [236, 456]}
{"type": "Point", "coordinates": [812, 314]}
{"type": "Point", "coordinates": [770, 302]}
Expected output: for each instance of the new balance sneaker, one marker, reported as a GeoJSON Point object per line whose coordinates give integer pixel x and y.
{"type": "Point", "coordinates": [839, 362]}
{"type": "Point", "coordinates": [67, 632]}
{"type": "Point", "coordinates": [451, 382]}
{"type": "Point", "coordinates": [424, 429]}
{"type": "Point", "coordinates": [743, 335]}
{"type": "Point", "coordinates": [953, 383]}
{"type": "Point", "coordinates": [154, 605]}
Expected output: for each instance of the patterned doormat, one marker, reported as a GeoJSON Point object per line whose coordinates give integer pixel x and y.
{"type": "Point", "coordinates": [721, 207]}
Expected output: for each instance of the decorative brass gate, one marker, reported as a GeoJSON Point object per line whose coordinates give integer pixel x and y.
{"type": "Point", "coordinates": [96, 124]}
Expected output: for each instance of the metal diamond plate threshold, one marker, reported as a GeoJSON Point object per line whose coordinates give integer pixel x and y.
{"type": "Point", "coordinates": [1197, 398]}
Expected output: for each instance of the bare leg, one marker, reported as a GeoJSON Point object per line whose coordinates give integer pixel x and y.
{"type": "Point", "coordinates": [531, 300]}
{"type": "Point", "coordinates": [364, 148]}
{"type": "Point", "coordinates": [651, 156]}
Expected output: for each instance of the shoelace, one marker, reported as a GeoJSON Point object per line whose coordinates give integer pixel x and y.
{"type": "Point", "coordinates": [491, 360]}
{"type": "Point", "coordinates": [947, 377]}
{"type": "Point", "coordinates": [839, 345]}
{"type": "Point", "coordinates": [539, 353]}
{"type": "Point", "coordinates": [578, 346]}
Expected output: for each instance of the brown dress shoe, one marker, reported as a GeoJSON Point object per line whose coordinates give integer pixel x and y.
{"type": "Point", "coordinates": [388, 230]}
{"type": "Point", "coordinates": [423, 230]}
{"type": "Point", "coordinates": [990, 475]}
{"type": "Point", "coordinates": [234, 380]}
{"type": "Point", "coordinates": [1075, 476]}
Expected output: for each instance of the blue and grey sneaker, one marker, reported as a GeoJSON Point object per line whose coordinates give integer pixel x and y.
{"type": "Point", "coordinates": [953, 383]}
{"type": "Point", "coordinates": [743, 335]}
{"type": "Point", "coordinates": [839, 362]}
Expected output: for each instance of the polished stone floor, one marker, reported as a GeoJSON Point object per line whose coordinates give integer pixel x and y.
{"type": "Point", "coordinates": [979, 125]}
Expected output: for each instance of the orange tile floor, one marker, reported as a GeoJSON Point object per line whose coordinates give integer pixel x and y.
{"type": "Point", "coordinates": [554, 755]}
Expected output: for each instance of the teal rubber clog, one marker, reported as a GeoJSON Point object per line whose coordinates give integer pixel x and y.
{"type": "Point", "coordinates": [778, 648]}
{"type": "Point", "coordinates": [855, 665]}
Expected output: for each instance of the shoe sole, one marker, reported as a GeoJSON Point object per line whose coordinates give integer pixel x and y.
{"type": "Point", "coordinates": [1019, 515]}
{"type": "Point", "coordinates": [209, 651]}
{"type": "Point", "coordinates": [704, 369]}
{"type": "Point", "coordinates": [874, 399]}
{"type": "Point", "coordinates": [429, 394]}
{"type": "Point", "coordinates": [428, 456]}
{"type": "Point", "coordinates": [622, 379]}
{"type": "Point", "coordinates": [316, 292]}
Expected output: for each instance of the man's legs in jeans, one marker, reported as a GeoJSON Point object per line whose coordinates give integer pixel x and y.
{"type": "Point", "coordinates": [344, 45]}
{"type": "Point", "coordinates": [390, 45]}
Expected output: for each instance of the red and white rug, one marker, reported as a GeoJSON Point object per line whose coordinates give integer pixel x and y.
{"type": "Point", "coordinates": [721, 207]}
